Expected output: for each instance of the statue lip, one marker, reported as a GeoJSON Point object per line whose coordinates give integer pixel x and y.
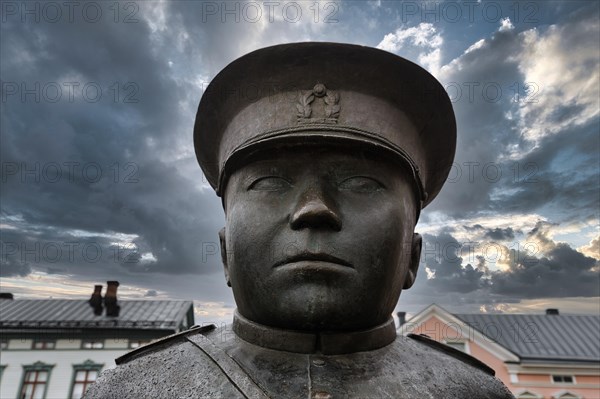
{"type": "Point", "coordinates": [309, 256]}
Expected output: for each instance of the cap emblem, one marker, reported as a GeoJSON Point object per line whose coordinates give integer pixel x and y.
{"type": "Point", "coordinates": [326, 111]}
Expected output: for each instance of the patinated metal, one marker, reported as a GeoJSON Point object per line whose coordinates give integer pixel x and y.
{"type": "Point", "coordinates": [219, 364]}
{"type": "Point", "coordinates": [324, 155]}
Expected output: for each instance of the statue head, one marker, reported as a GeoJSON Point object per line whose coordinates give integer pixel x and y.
{"type": "Point", "coordinates": [324, 155]}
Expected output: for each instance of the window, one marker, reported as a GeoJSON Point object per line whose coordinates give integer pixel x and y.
{"type": "Point", "coordinates": [3, 344]}
{"type": "Point", "coordinates": [83, 375]}
{"type": "Point", "coordinates": [92, 344]}
{"type": "Point", "coordinates": [133, 343]}
{"type": "Point", "coordinates": [35, 381]}
{"type": "Point", "coordinates": [460, 345]}
{"type": "Point", "coordinates": [562, 379]}
{"type": "Point", "coordinates": [43, 344]}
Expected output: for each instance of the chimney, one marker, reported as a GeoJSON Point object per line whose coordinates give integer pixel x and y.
{"type": "Point", "coordinates": [6, 295]}
{"type": "Point", "coordinates": [401, 318]}
{"type": "Point", "coordinates": [552, 312]}
{"type": "Point", "coordinates": [96, 300]}
{"type": "Point", "coordinates": [110, 299]}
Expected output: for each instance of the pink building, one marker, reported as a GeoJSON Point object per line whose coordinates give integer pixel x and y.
{"type": "Point", "coordinates": [549, 356]}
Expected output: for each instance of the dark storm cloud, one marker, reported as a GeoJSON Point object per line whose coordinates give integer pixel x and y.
{"type": "Point", "coordinates": [12, 268]}
{"type": "Point", "coordinates": [561, 272]}
{"type": "Point", "coordinates": [556, 270]}
{"type": "Point", "coordinates": [107, 161]}
{"type": "Point", "coordinates": [495, 234]}
{"type": "Point", "coordinates": [483, 131]}
{"type": "Point", "coordinates": [562, 170]}
{"type": "Point", "coordinates": [499, 234]}
{"type": "Point", "coordinates": [442, 255]}
{"type": "Point", "coordinates": [561, 167]}
{"type": "Point", "coordinates": [57, 251]}
{"type": "Point", "coordinates": [451, 273]}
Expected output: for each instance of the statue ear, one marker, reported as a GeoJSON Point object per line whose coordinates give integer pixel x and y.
{"type": "Point", "coordinates": [415, 258]}
{"type": "Point", "coordinates": [224, 255]}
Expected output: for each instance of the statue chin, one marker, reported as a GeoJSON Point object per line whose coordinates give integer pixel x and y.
{"type": "Point", "coordinates": [315, 308]}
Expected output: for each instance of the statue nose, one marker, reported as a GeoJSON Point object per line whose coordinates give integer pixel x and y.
{"type": "Point", "coordinates": [314, 211]}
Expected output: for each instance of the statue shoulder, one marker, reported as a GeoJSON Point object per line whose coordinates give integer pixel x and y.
{"type": "Point", "coordinates": [173, 366]}
{"type": "Point", "coordinates": [163, 343]}
{"type": "Point", "coordinates": [456, 371]}
{"type": "Point", "coordinates": [466, 358]}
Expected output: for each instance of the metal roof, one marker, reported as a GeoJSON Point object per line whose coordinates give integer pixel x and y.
{"type": "Point", "coordinates": [69, 313]}
{"type": "Point", "coordinates": [542, 337]}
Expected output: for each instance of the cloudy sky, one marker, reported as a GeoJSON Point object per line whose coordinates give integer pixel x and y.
{"type": "Point", "coordinates": [100, 181]}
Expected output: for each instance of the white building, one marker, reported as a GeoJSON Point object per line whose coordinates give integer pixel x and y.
{"type": "Point", "coordinates": [55, 348]}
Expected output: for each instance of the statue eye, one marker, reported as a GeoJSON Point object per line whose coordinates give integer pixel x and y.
{"type": "Point", "coordinates": [361, 184]}
{"type": "Point", "coordinates": [269, 183]}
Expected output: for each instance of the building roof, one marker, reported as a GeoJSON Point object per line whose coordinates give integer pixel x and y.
{"type": "Point", "coordinates": [542, 337]}
{"type": "Point", "coordinates": [69, 313]}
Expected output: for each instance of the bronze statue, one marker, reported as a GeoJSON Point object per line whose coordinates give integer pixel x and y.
{"type": "Point", "coordinates": [323, 155]}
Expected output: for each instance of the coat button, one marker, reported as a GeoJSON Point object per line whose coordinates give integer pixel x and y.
{"type": "Point", "coordinates": [321, 395]}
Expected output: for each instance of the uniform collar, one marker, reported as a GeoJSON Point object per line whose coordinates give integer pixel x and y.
{"type": "Point", "coordinates": [333, 343]}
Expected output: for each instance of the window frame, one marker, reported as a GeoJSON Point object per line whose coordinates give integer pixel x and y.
{"type": "Point", "coordinates": [140, 342]}
{"type": "Point", "coordinates": [92, 342]}
{"type": "Point", "coordinates": [87, 366]}
{"type": "Point", "coordinates": [464, 342]}
{"type": "Point", "coordinates": [36, 367]}
{"type": "Point", "coordinates": [571, 376]}
{"type": "Point", "coordinates": [44, 343]}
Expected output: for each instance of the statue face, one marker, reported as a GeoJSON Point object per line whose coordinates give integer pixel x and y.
{"type": "Point", "coordinates": [319, 239]}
